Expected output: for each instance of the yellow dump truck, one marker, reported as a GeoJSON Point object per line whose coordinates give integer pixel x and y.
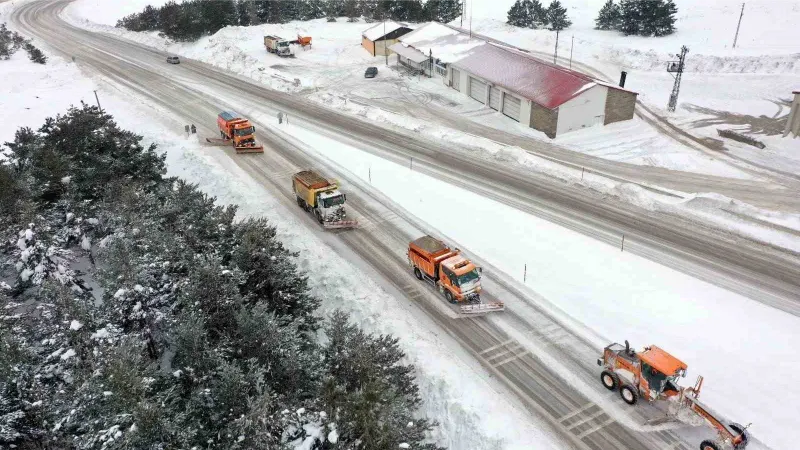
{"type": "Point", "coordinates": [322, 198]}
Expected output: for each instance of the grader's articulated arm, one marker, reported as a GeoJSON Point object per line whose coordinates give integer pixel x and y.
{"type": "Point", "coordinates": [731, 435]}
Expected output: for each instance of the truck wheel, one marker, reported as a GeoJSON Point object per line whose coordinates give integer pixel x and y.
{"type": "Point", "coordinates": [709, 445]}
{"type": "Point", "coordinates": [222, 135]}
{"type": "Point", "coordinates": [739, 429]}
{"type": "Point", "coordinates": [301, 203]}
{"type": "Point", "coordinates": [319, 216]}
{"type": "Point", "coordinates": [449, 296]}
{"type": "Point", "coordinates": [609, 379]}
{"type": "Point", "coordinates": [629, 394]}
{"type": "Point", "coordinates": [417, 273]}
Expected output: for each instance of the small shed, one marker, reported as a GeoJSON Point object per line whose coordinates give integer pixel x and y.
{"type": "Point", "coordinates": [378, 38]}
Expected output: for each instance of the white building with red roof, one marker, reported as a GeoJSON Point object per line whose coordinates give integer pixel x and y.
{"type": "Point", "coordinates": [534, 92]}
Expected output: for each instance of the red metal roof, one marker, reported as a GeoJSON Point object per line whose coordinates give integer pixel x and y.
{"type": "Point", "coordinates": [543, 83]}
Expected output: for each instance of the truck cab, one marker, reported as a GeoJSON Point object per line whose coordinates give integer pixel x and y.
{"type": "Point", "coordinates": [243, 133]}
{"type": "Point", "coordinates": [653, 373]}
{"type": "Point", "coordinates": [461, 277]}
{"type": "Point", "coordinates": [330, 205]}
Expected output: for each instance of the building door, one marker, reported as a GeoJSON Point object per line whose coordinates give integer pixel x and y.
{"type": "Point", "coordinates": [511, 106]}
{"type": "Point", "coordinates": [456, 74]}
{"type": "Point", "coordinates": [477, 89]}
{"type": "Point", "coordinates": [494, 98]}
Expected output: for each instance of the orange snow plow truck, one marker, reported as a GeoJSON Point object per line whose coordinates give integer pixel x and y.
{"type": "Point", "coordinates": [456, 277]}
{"type": "Point", "coordinates": [654, 374]}
{"type": "Point", "coordinates": [235, 129]}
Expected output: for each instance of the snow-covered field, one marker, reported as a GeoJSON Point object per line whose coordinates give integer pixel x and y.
{"type": "Point", "coordinates": [456, 392]}
{"type": "Point", "coordinates": [721, 335]}
{"type": "Point", "coordinates": [336, 63]}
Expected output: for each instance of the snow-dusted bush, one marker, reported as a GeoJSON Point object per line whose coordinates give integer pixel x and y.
{"type": "Point", "coordinates": [137, 313]}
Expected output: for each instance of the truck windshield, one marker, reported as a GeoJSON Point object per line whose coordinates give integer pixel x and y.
{"type": "Point", "coordinates": [333, 201]}
{"type": "Point", "coordinates": [467, 277]}
{"type": "Point", "coordinates": [244, 131]}
{"type": "Point", "coordinates": [283, 44]}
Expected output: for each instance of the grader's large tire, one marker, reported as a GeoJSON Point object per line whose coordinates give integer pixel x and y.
{"type": "Point", "coordinates": [709, 445]}
{"type": "Point", "coordinates": [629, 394]}
{"type": "Point", "coordinates": [740, 429]}
{"type": "Point", "coordinates": [609, 379]}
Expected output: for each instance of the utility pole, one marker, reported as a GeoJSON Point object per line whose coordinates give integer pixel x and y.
{"type": "Point", "coordinates": [470, 20]}
{"type": "Point", "coordinates": [555, 54]}
{"type": "Point", "coordinates": [462, 13]}
{"type": "Point", "coordinates": [676, 67]}
{"type": "Point", "coordinates": [98, 101]}
{"type": "Point", "coordinates": [736, 38]}
{"type": "Point", "coordinates": [570, 51]}
{"type": "Point", "coordinates": [385, 51]}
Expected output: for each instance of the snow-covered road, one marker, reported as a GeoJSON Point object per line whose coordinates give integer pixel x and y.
{"type": "Point", "coordinates": [175, 97]}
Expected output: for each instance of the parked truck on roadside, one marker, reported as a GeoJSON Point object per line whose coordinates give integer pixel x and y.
{"type": "Point", "coordinates": [278, 45]}
{"type": "Point", "coordinates": [455, 276]}
{"type": "Point", "coordinates": [235, 129]}
{"type": "Point", "coordinates": [322, 198]}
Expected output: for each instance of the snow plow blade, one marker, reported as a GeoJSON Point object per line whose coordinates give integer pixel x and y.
{"type": "Point", "coordinates": [481, 308]}
{"type": "Point", "coordinates": [218, 141]}
{"type": "Point", "coordinates": [340, 224]}
{"type": "Point", "coordinates": [253, 149]}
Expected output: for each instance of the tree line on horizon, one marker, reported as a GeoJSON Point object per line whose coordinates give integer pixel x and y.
{"type": "Point", "coordinates": [190, 20]}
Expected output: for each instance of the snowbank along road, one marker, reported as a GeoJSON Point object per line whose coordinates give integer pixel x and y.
{"type": "Point", "coordinates": [184, 92]}
{"type": "Point", "coordinates": [762, 273]}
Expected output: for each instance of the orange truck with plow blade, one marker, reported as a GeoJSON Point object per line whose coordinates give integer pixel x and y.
{"type": "Point", "coordinates": [235, 129]}
{"type": "Point", "coordinates": [456, 277]}
{"type": "Point", "coordinates": [653, 374]}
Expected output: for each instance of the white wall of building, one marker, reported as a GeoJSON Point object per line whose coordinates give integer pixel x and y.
{"type": "Point", "coordinates": [585, 110]}
{"type": "Point", "coordinates": [525, 112]}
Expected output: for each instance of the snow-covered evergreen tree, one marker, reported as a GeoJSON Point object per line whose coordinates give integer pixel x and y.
{"type": "Point", "coordinates": [217, 14]}
{"type": "Point", "coordinates": [609, 17]}
{"type": "Point", "coordinates": [630, 17]}
{"type": "Point", "coordinates": [444, 11]}
{"type": "Point", "coordinates": [352, 10]}
{"type": "Point", "coordinates": [557, 19]}
{"type": "Point", "coordinates": [664, 20]}
{"type": "Point", "coordinates": [312, 9]}
{"type": "Point", "coordinates": [334, 9]}
{"type": "Point", "coordinates": [243, 12]}
{"type": "Point", "coordinates": [537, 13]}
{"type": "Point", "coordinates": [289, 10]}
{"type": "Point", "coordinates": [518, 15]}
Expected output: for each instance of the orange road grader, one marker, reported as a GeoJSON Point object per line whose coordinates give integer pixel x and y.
{"type": "Point", "coordinates": [653, 374]}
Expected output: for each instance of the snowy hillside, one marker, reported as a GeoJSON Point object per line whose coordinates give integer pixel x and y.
{"type": "Point", "coordinates": [707, 25]}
